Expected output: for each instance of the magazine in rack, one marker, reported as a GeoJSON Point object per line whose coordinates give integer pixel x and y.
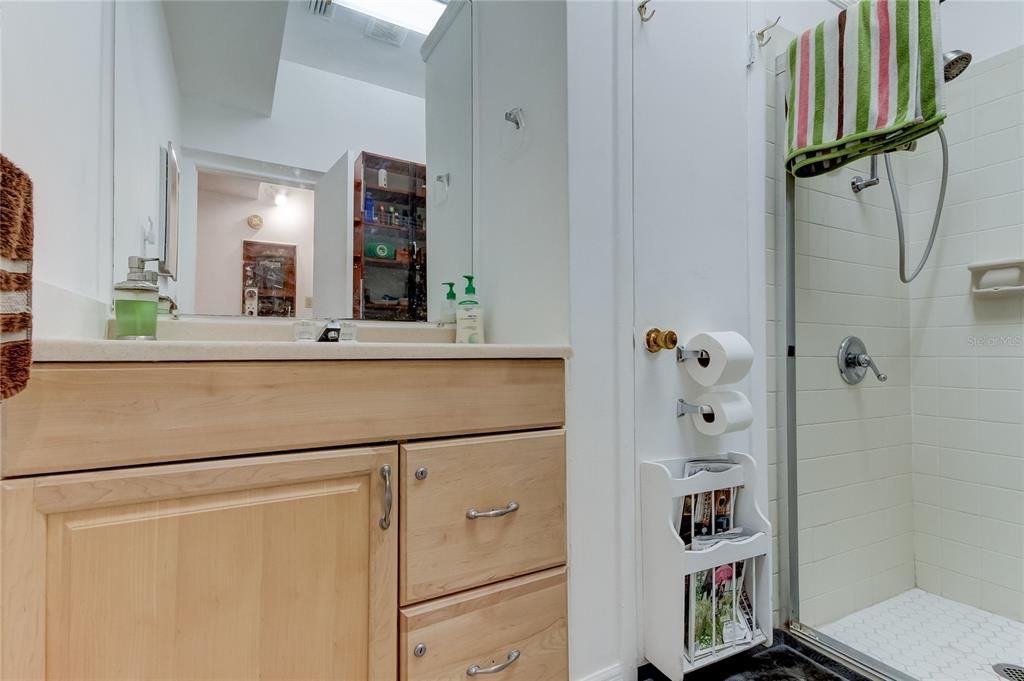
{"type": "Point", "coordinates": [709, 513]}
{"type": "Point", "coordinates": [718, 608]}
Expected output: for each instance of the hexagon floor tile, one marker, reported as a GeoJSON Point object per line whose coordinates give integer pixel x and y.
{"type": "Point", "coordinates": [932, 638]}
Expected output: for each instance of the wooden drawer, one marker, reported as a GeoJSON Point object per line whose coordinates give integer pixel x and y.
{"type": "Point", "coordinates": [442, 549]}
{"type": "Point", "coordinates": [104, 415]}
{"type": "Point", "coordinates": [484, 626]}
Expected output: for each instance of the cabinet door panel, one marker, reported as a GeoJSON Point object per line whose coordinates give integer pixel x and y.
{"type": "Point", "coordinates": [288, 579]}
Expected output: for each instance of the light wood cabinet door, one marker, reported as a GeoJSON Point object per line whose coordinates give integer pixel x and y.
{"type": "Point", "coordinates": [273, 567]}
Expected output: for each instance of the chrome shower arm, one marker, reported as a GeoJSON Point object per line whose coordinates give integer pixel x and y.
{"type": "Point", "coordinates": [858, 183]}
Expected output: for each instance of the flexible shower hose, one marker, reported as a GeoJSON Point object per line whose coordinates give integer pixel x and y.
{"type": "Point", "coordinates": [899, 213]}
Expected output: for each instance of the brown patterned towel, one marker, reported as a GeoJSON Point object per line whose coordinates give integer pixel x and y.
{"type": "Point", "coordinates": [16, 231]}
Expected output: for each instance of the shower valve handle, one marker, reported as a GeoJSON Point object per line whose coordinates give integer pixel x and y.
{"type": "Point", "coordinates": [864, 360]}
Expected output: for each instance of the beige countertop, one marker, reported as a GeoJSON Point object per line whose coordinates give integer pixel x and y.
{"type": "Point", "coordinates": [76, 350]}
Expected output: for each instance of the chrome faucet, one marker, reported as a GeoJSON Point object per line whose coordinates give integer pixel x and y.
{"type": "Point", "coordinates": [854, 361]}
{"type": "Point", "coordinates": [172, 308]}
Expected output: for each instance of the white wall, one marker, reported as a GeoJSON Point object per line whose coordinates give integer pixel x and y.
{"type": "Point", "coordinates": [602, 614]}
{"type": "Point", "coordinates": [55, 123]}
{"type": "Point", "coordinates": [317, 116]}
{"type": "Point", "coordinates": [223, 227]}
{"type": "Point", "coordinates": [333, 213]}
{"type": "Point", "coordinates": [521, 212]}
{"type": "Point", "coordinates": [146, 118]}
{"type": "Point", "coordinates": [449, 125]}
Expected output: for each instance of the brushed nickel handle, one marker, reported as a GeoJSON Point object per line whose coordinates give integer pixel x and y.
{"type": "Point", "coordinates": [512, 507]}
{"type": "Point", "coordinates": [385, 473]}
{"type": "Point", "coordinates": [500, 667]}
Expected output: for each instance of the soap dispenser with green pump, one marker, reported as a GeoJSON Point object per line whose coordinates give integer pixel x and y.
{"type": "Point", "coordinates": [448, 311]}
{"type": "Point", "coordinates": [135, 302]}
{"type": "Point", "coordinates": [469, 316]}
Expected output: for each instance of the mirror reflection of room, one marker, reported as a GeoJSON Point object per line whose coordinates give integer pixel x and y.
{"type": "Point", "coordinates": [323, 150]}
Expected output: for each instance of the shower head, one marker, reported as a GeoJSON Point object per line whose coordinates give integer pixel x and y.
{"type": "Point", "coordinates": [954, 63]}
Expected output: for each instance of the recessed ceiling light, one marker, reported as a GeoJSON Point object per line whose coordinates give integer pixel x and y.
{"type": "Point", "coordinates": [280, 199]}
{"type": "Point", "coordinates": [415, 15]}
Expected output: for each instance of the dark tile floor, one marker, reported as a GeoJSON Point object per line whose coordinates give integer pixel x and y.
{"type": "Point", "coordinates": [786, 660]}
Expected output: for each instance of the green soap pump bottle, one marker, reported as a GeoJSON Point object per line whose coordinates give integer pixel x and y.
{"type": "Point", "coordinates": [469, 316]}
{"type": "Point", "coordinates": [135, 302]}
{"type": "Point", "coordinates": [448, 311]}
{"type": "Point", "coordinates": [470, 296]}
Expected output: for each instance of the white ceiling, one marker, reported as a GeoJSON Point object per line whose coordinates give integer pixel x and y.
{"type": "Point", "coordinates": [339, 46]}
{"type": "Point", "coordinates": [232, 185]}
{"type": "Point", "coordinates": [243, 187]}
{"type": "Point", "coordinates": [227, 51]}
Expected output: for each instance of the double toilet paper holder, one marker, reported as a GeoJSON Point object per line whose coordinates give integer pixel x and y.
{"type": "Point", "coordinates": [656, 340]}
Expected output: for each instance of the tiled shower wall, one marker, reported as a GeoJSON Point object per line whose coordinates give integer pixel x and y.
{"type": "Point", "coordinates": [876, 471]}
{"type": "Point", "coordinates": [968, 368]}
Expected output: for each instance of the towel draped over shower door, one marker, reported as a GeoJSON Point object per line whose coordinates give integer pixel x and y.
{"type": "Point", "coordinates": [864, 82]}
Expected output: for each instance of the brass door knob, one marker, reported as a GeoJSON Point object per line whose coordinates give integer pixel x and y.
{"type": "Point", "coordinates": [657, 340]}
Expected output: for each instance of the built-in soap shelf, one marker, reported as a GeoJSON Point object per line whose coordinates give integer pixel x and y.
{"type": "Point", "coordinates": [668, 565]}
{"type": "Point", "coordinates": [997, 277]}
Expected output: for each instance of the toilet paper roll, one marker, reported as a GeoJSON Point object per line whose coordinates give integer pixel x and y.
{"type": "Point", "coordinates": [731, 411]}
{"type": "Point", "coordinates": [728, 361]}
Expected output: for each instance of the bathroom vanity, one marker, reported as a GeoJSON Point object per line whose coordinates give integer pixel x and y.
{"type": "Point", "coordinates": [376, 512]}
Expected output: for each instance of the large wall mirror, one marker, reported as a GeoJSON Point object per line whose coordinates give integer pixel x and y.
{"type": "Point", "coordinates": [296, 159]}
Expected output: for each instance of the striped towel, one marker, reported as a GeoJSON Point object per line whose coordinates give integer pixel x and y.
{"type": "Point", "coordinates": [16, 237]}
{"type": "Point", "coordinates": [866, 82]}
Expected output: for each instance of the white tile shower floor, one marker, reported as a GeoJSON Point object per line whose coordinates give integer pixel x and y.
{"type": "Point", "coordinates": [932, 638]}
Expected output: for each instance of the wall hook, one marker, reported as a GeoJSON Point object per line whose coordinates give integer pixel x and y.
{"type": "Point", "coordinates": [642, 11]}
{"type": "Point", "coordinates": [515, 117]}
{"type": "Point", "coordinates": [760, 35]}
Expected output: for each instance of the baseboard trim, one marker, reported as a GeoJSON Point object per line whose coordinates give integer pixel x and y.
{"type": "Point", "coordinates": [613, 673]}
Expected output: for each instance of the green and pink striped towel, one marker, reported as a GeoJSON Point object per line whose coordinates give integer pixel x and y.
{"type": "Point", "coordinates": [865, 82]}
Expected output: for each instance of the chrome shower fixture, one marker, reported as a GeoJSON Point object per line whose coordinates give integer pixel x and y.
{"type": "Point", "coordinates": [954, 63]}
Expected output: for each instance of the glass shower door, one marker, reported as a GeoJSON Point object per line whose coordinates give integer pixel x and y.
{"type": "Point", "coordinates": [901, 406]}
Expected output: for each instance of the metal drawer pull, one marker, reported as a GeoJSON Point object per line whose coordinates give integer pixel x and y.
{"type": "Point", "coordinates": [385, 473]}
{"type": "Point", "coordinates": [500, 667]}
{"type": "Point", "coordinates": [512, 507]}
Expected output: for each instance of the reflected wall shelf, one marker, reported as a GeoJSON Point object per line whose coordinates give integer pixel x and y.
{"type": "Point", "coordinates": [394, 215]}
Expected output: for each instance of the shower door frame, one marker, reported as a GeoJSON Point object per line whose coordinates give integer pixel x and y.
{"type": "Point", "coordinates": [785, 332]}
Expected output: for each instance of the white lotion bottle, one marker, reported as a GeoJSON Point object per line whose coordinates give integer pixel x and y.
{"type": "Point", "coordinates": [469, 316]}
